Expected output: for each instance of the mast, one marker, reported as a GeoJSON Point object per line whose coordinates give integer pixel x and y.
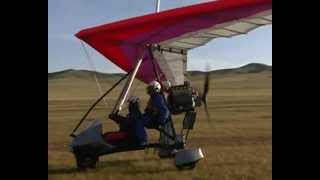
{"type": "Point", "coordinates": [157, 6]}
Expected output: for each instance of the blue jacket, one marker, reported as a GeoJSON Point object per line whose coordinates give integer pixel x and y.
{"type": "Point", "coordinates": [156, 112]}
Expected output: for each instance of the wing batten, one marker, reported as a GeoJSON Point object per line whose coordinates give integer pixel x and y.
{"type": "Point", "coordinates": [225, 30]}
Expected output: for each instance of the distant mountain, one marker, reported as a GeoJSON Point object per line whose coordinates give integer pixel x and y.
{"type": "Point", "coordinates": [85, 74]}
{"type": "Point", "coordinates": [249, 68]}
{"type": "Point", "coordinates": [253, 68]}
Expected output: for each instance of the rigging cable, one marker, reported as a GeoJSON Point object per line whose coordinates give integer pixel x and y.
{"type": "Point", "coordinates": [95, 103]}
{"type": "Point", "coordinates": [94, 73]}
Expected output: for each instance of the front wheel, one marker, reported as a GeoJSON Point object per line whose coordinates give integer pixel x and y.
{"type": "Point", "coordinates": [187, 166]}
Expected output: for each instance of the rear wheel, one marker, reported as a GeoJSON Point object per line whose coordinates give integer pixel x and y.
{"type": "Point", "coordinates": [85, 162]}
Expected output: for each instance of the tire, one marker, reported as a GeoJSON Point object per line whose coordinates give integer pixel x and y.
{"type": "Point", "coordinates": [92, 162]}
{"type": "Point", "coordinates": [192, 166]}
{"type": "Point", "coordinates": [84, 163]}
{"type": "Point", "coordinates": [187, 166]}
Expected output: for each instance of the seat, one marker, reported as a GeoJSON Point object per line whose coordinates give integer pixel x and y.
{"type": "Point", "coordinates": [117, 136]}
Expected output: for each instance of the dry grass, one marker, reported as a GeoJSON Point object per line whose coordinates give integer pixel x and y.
{"type": "Point", "coordinates": [237, 144]}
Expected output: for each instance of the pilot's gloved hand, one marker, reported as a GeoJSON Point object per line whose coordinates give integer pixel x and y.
{"type": "Point", "coordinates": [113, 116]}
{"type": "Point", "coordinates": [117, 117]}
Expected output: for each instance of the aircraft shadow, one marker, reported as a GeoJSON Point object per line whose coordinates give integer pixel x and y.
{"type": "Point", "coordinates": [120, 165]}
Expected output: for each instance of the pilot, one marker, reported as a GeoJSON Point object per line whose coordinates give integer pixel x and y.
{"type": "Point", "coordinates": [155, 114]}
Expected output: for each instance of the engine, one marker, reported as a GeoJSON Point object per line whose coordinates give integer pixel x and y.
{"type": "Point", "coordinates": [183, 98]}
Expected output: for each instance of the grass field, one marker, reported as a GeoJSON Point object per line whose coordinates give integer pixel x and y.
{"type": "Point", "coordinates": [237, 144]}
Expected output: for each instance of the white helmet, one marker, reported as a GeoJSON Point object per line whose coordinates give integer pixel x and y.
{"type": "Point", "coordinates": [155, 86]}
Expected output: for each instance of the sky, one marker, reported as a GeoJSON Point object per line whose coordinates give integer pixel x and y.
{"type": "Point", "coordinates": [67, 17]}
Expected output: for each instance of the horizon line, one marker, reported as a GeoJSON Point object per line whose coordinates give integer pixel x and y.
{"type": "Point", "coordinates": [187, 70]}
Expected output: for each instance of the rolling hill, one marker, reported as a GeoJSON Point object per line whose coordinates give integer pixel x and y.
{"type": "Point", "coordinates": [86, 74]}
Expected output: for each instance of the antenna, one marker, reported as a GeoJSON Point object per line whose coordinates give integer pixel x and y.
{"type": "Point", "coordinates": [157, 6]}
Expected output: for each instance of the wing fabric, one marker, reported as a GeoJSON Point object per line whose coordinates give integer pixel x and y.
{"type": "Point", "coordinates": [163, 39]}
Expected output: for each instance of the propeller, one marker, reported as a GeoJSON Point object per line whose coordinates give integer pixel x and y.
{"type": "Point", "coordinates": [205, 93]}
{"type": "Point", "coordinates": [203, 96]}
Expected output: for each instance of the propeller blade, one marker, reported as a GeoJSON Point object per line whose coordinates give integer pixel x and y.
{"type": "Point", "coordinates": [206, 109]}
{"type": "Point", "coordinates": [205, 93]}
{"type": "Point", "coordinates": [206, 86]}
